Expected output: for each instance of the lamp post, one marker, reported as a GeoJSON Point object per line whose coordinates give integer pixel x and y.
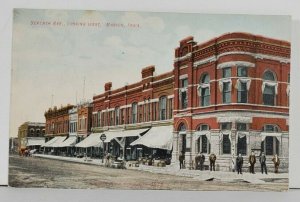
{"type": "Point", "coordinates": [103, 138]}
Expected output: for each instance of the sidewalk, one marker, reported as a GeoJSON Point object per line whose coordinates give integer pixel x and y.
{"type": "Point", "coordinates": [257, 178]}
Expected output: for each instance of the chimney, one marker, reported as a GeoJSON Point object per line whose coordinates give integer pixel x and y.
{"type": "Point", "coordinates": [107, 86]}
{"type": "Point", "coordinates": [148, 71]}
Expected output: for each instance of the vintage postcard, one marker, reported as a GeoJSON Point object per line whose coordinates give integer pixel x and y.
{"type": "Point", "coordinates": [139, 100]}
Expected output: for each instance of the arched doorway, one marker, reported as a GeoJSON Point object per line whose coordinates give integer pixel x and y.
{"type": "Point", "coordinates": [182, 138]}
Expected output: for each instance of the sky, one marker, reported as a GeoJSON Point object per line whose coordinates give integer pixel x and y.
{"type": "Point", "coordinates": [53, 55]}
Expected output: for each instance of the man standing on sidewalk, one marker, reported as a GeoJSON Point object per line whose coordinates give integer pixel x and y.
{"type": "Point", "coordinates": [276, 162]}
{"type": "Point", "coordinates": [181, 159]}
{"type": "Point", "coordinates": [239, 164]}
{"type": "Point", "coordinates": [212, 162]}
{"type": "Point", "coordinates": [252, 161]}
{"type": "Point", "coordinates": [202, 159]}
{"type": "Point", "coordinates": [262, 160]}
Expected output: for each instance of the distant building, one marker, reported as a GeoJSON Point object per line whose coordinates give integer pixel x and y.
{"type": "Point", "coordinates": [57, 122]}
{"type": "Point", "coordinates": [31, 134]}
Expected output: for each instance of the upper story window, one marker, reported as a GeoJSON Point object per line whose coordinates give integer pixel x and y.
{"type": "Point", "coordinates": [241, 126]}
{"type": "Point", "coordinates": [38, 132]}
{"type": "Point", "coordinates": [205, 90]}
{"type": "Point", "coordinates": [225, 126]}
{"type": "Point", "coordinates": [134, 112]}
{"type": "Point", "coordinates": [163, 108]}
{"type": "Point", "coordinates": [270, 128]}
{"type": "Point", "coordinates": [117, 115]}
{"type": "Point", "coordinates": [184, 83]}
{"type": "Point", "coordinates": [183, 93]}
{"type": "Point", "coordinates": [242, 71]}
{"type": "Point", "coordinates": [227, 72]}
{"type": "Point", "coordinates": [289, 78]}
{"type": "Point", "coordinates": [203, 127]}
{"type": "Point", "coordinates": [226, 92]}
{"type": "Point", "coordinates": [31, 132]}
{"type": "Point", "coordinates": [242, 93]}
{"type": "Point", "coordinates": [269, 88]}
{"type": "Point", "coordinates": [99, 118]}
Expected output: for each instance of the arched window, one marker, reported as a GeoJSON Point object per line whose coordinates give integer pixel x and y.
{"type": "Point", "coordinates": [269, 76]}
{"type": "Point", "coordinates": [269, 88]}
{"type": "Point", "coordinates": [134, 112]}
{"type": "Point", "coordinates": [163, 108]}
{"type": "Point", "coordinates": [205, 90]}
{"type": "Point", "coordinates": [182, 127]}
{"type": "Point", "coordinates": [117, 115]}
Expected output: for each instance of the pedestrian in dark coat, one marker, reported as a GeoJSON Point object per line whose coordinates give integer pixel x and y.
{"type": "Point", "coordinates": [202, 160]}
{"type": "Point", "coordinates": [212, 161]}
{"type": "Point", "coordinates": [262, 160]}
{"type": "Point", "coordinates": [276, 162]}
{"type": "Point", "coordinates": [252, 161]}
{"type": "Point", "coordinates": [197, 161]}
{"type": "Point", "coordinates": [181, 160]}
{"type": "Point", "coordinates": [239, 163]}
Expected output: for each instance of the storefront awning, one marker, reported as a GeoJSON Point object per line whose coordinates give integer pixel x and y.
{"type": "Point", "coordinates": [47, 144]}
{"type": "Point", "coordinates": [160, 137]}
{"type": "Point", "coordinates": [68, 142]}
{"type": "Point", "coordinates": [111, 134]}
{"type": "Point", "coordinates": [35, 141]}
{"type": "Point", "coordinates": [93, 140]}
{"type": "Point", "coordinates": [58, 141]}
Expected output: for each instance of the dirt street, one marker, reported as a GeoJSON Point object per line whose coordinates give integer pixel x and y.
{"type": "Point", "coordinates": [38, 172]}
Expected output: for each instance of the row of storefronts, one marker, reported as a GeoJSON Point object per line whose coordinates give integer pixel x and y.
{"type": "Point", "coordinates": [227, 96]}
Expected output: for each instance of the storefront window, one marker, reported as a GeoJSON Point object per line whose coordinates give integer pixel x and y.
{"type": "Point", "coordinates": [242, 145]}
{"type": "Point", "coordinates": [270, 145]}
{"type": "Point", "coordinates": [226, 144]}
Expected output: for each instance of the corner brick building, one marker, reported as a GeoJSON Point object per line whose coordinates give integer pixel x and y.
{"type": "Point", "coordinates": [231, 95]}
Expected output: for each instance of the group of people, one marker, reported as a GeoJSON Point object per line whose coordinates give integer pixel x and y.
{"type": "Point", "coordinates": [200, 159]}
{"type": "Point", "coordinates": [252, 161]}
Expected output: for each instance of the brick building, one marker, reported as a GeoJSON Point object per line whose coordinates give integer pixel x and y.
{"type": "Point", "coordinates": [231, 95]}
{"type": "Point", "coordinates": [57, 126]}
{"type": "Point", "coordinates": [31, 135]}
{"type": "Point", "coordinates": [126, 113]}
